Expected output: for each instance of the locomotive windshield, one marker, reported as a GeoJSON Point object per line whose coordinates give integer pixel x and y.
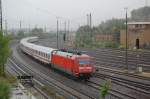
{"type": "Point", "coordinates": [84, 62]}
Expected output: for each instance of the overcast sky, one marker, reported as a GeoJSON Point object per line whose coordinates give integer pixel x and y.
{"type": "Point", "coordinates": [44, 12]}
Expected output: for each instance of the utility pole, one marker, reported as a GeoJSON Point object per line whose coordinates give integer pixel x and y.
{"type": "Point", "coordinates": [127, 39]}
{"type": "Point", "coordinates": [68, 35]}
{"type": "Point", "coordinates": [146, 3]}
{"type": "Point", "coordinates": [65, 30]}
{"type": "Point", "coordinates": [6, 24]}
{"type": "Point", "coordinates": [45, 29]}
{"type": "Point", "coordinates": [65, 26]}
{"type": "Point", "coordinates": [29, 28]}
{"type": "Point", "coordinates": [20, 25]}
{"type": "Point", "coordinates": [90, 19]}
{"type": "Point", "coordinates": [1, 16]}
{"type": "Point", "coordinates": [87, 19]}
{"type": "Point", "coordinates": [57, 32]}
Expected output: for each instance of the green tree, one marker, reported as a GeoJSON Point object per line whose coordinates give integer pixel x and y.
{"type": "Point", "coordinates": [111, 26]}
{"type": "Point", "coordinates": [4, 89]}
{"type": "Point", "coordinates": [105, 88]}
{"type": "Point", "coordinates": [4, 52]}
{"type": "Point", "coordinates": [37, 31]}
{"type": "Point", "coordinates": [84, 36]}
{"type": "Point", "coordinates": [20, 34]}
{"type": "Point", "coordinates": [142, 13]}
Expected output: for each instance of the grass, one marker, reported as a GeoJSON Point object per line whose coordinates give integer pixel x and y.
{"type": "Point", "coordinates": [10, 79]}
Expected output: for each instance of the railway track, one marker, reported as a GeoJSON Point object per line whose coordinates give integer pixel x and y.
{"type": "Point", "coordinates": [52, 82]}
{"type": "Point", "coordinates": [118, 56]}
{"type": "Point", "coordinates": [119, 72]}
{"type": "Point", "coordinates": [141, 83]}
{"type": "Point", "coordinates": [116, 93]}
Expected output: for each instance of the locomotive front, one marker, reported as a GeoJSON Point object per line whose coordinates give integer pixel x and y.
{"type": "Point", "coordinates": [85, 66]}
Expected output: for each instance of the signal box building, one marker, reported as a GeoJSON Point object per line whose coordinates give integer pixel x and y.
{"type": "Point", "coordinates": [137, 31]}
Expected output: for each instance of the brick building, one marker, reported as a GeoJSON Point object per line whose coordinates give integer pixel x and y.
{"type": "Point", "coordinates": [104, 37]}
{"type": "Point", "coordinates": [136, 30]}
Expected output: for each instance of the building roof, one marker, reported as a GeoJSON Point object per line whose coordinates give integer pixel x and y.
{"type": "Point", "coordinates": [134, 23]}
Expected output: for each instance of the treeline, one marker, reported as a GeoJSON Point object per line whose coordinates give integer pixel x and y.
{"type": "Point", "coordinates": [85, 36]}
{"type": "Point", "coordinates": [33, 32]}
{"type": "Point", "coordinates": [142, 14]}
{"type": "Point", "coordinates": [110, 26]}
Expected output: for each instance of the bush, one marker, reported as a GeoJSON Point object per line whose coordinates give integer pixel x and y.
{"type": "Point", "coordinates": [4, 89]}
{"type": "Point", "coordinates": [105, 88]}
{"type": "Point", "coordinates": [4, 52]}
{"type": "Point", "coordinates": [122, 46]}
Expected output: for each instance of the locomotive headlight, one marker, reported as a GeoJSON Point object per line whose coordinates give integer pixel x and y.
{"type": "Point", "coordinates": [85, 69]}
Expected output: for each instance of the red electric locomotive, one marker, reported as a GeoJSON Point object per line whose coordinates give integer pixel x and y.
{"type": "Point", "coordinates": [76, 64]}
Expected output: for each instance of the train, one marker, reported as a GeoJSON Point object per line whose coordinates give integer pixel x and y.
{"type": "Point", "coordinates": [71, 62]}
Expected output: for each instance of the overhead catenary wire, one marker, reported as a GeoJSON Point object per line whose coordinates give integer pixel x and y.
{"type": "Point", "coordinates": [52, 14]}
{"type": "Point", "coordinates": [1, 16]}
